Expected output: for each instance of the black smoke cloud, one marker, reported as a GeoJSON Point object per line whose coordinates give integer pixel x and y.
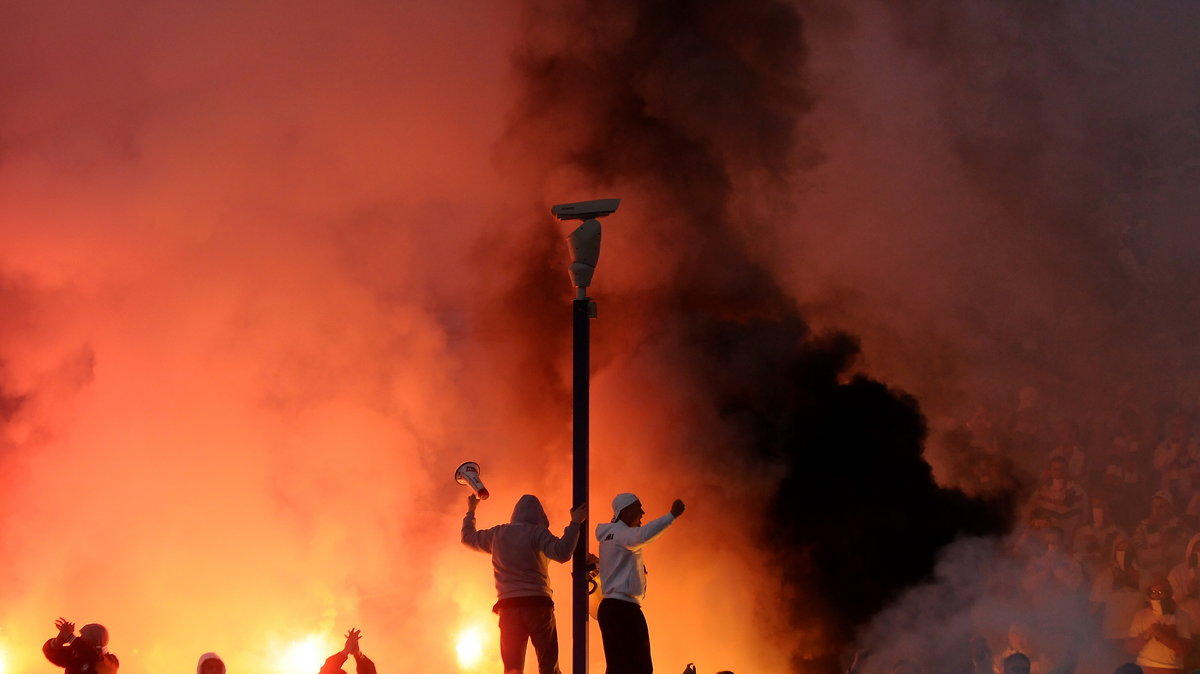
{"type": "Point", "coordinates": [696, 107]}
{"type": "Point", "coordinates": [1030, 168]}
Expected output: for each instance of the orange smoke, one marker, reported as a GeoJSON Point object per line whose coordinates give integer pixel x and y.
{"type": "Point", "coordinates": [252, 328]}
{"type": "Point", "coordinates": [264, 287]}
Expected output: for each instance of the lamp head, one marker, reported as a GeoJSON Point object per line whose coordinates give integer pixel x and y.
{"type": "Point", "coordinates": [585, 210]}
{"type": "Point", "coordinates": [585, 252]}
{"type": "Point", "coordinates": [585, 240]}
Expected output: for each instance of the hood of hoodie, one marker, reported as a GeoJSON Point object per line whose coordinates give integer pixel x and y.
{"type": "Point", "coordinates": [209, 656]}
{"type": "Point", "coordinates": [529, 511]}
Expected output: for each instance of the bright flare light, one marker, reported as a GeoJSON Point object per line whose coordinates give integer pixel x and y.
{"type": "Point", "coordinates": [306, 655]}
{"type": "Point", "coordinates": [469, 648]}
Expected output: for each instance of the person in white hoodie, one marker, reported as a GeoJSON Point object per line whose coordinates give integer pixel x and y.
{"type": "Point", "coordinates": [1160, 634]}
{"type": "Point", "coordinates": [1185, 576]}
{"type": "Point", "coordinates": [521, 551]}
{"type": "Point", "coordinates": [623, 578]}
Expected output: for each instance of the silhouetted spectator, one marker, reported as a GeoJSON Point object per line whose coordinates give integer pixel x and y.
{"type": "Point", "coordinates": [1184, 576]}
{"type": "Point", "coordinates": [1124, 480]}
{"type": "Point", "coordinates": [1160, 634]}
{"type": "Point", "coordinates": [210, 663]}
{"type": "Point", "coordinates": [1020, 642]}
{"type": "Point", "coordinates": [1016, 661]}
{"type": "Point", "coordinates": [1128, 668]}
{"type": "Point", "coordinates": [363, 664]}
{"type": "Point", "coordinates": [1094, 541]}
{"type": "Point", "coordinates": [1068, 448]}
{"type": "Point", "coordinates": [623, 627]}
{"type": "Point", "coordinates": [1118, 593]}
{"type": "Point", "coordinates": [520, 552]}
{"type": "Point", "coordinates": [1052, 574]}
{"type": "Point", "coordinates": [691, 669]}
{"type": "Point", "coordinates": [1185, 586]}
{"type": "Point", "coordinates": [1173, 456]}
{"type": "Point", "coordinates": [1157, 536]}
{"type": "Point", "coordinates": [1062, 498]}
{"type": "Point", "coordinates": [82, 654]}
{"type": "Point", "coordinates": [1029, 540]}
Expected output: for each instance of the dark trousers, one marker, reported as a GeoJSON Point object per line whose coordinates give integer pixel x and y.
{"type": "Point", "coordinates": [626, 637]}
{"type": "Point", "coordinates": [522, 624]}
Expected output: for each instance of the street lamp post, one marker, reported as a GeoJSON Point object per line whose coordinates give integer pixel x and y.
{"type": "Point", "coordinates": [585, 252]}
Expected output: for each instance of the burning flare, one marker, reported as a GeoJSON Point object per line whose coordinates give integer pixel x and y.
{"type": "Point", "coordinates": [306, 655]}
{"type": "Point", "coordinates": [469, 647]}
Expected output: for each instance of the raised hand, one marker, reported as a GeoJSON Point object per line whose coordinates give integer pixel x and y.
{"type": "Point", "coordinates": [472, 501]}
{"type": "Point", "coordinates": [677, 508]}
{"type": "Point", "coordinates": [579, 514]}
{"type": "Point", "coordinates": [352, 637]}
{"type": "Point", "coordinates": [66, 629]}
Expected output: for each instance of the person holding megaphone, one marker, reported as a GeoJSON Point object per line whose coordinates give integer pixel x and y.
{"type": "Point", "coordinates": [521, 551]}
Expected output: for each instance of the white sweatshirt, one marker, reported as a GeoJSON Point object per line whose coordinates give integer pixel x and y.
{"type": "Point", "coordinates": [622, 573]}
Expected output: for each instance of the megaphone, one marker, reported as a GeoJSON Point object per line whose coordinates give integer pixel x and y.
{"type": "Point", "coordinates": [468, 474]}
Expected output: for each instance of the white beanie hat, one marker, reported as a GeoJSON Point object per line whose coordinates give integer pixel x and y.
{"type": "Point", "coordinates": [621, 502]}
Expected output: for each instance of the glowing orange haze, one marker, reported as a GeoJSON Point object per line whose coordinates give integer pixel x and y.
{"type": "Point", "coordinates": [257, 280]}
{"type": "Point", "coordinates": [244, 285]}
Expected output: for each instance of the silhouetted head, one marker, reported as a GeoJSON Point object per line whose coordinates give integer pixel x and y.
{"type": "Point", "coordinates": [1058, 468]}
{"type": "Point", "coordinates": [1161, 505]}
{"type": "Point", "coordinates": [1160, 595]}
{"type": "Point", "coordinates": [1124, 554]}
{"type": "Point", "coordinates": [95, 635]}
{"type": "Point", "coordinates": [210, 663]}
{"type": "Point", "coordinates": [1128, 668]}
{"type": "Point", "coordinates": [1017, 663]}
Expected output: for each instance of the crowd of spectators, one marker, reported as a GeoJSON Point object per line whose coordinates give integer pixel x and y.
{"type": "Point", "coordinates": [1109, 537]}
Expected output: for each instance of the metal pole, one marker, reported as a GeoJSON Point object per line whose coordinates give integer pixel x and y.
{"type": "Point", "coordinates": [581, 310]}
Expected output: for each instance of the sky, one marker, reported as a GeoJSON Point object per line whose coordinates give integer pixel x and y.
{"type": "Point", "coordinates": [271, 272]}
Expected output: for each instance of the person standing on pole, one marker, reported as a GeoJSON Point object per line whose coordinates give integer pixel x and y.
{"type": "Point", "coordinates": [623, 579]}
{"type": "Point", "coordinates": [520, 552]}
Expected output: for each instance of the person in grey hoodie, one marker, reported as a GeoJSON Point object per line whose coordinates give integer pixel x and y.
{"type": "Point", "coordinates": [521, 551]}
{"type": "Point", "coordinates": [623, 576]}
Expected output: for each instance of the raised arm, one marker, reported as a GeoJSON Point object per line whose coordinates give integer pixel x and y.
{"type": "Point", "coordinates": [55, 649]}
{"type": "Point", "coordinates": [479, 540]}
{"type": "Point", "coordinates": [636, 537]}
